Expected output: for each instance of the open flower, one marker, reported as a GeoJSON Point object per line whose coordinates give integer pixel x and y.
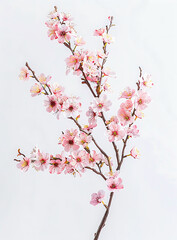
{"type": "Point", "coordinates": [128, 93]}
{"type": "Point", "coordinates": [42, 161]}
{"type": "Point", "coordinates": [115, 132]}
{"type": "Point", "coordinates": [24, 74]}
{"type": "Point", "coordinates": [51, 103]}
{"type": "Point", "coordinates": [114, 184]}
{"type": "Point", "coordinates": [142, 100]}
{"type": "Point", "coordinates": [101, 104]}
{"type": "Point", "coordinates": [97, 198]}
{"type": "Point", "coordinates": [63, 33]}
{"type": "Point", "coordinates": [24, 164]}
{"type": "Point", "coordinates": [68, 140]}
{"type": "Point", "coordinates": [43, 79]}
{"type": "Point", "coordinates": [35, 89]}
{"type": "Point", "coordinates": [135, 153]}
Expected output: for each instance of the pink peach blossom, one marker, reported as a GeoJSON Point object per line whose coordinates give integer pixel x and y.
{"type": "Point", "coordinates": [56, 165]}
{"type": "Point", "coordinates": [99, 32]}
{"type": "Point", "coordinates": [125, 116]}
{"type": "Point", "coordinates": [114, 184]}
{"type": "Point", "coordinates": [64, 34]}
{"type": "Point", "coordinates": [71, 107]}
{"type": "Point", "coordinates": [43, 79]}
{"type": "Point", "coordinates": [79, 159]}
{"type": "Point", "coordinates": [101, 103]}
{"type": "Point", "coordinates": [24, 74]}
{"type": "Point", "coordinates": [52, 30]}
{"type": "Point", "coordinates": [83, 139]}
{"type": "Point", "coordinates": [92, 115]}
{"type": "Point", "coordinates": [128, 93]}
{"type": "Point", "coordinates": [115, 132]}
{"type": "Point", "coordinates": [97, 198]}
{"type": "Point", "coordinates": [52, 104]}
{"type": "Point", "coordinates": [145, 81]}
{"type": "Point", "coordinates": [142, 100]}
{"type": "Point", "coordinates": [57, 89]}
{"type": "Point", "coordinates": [73, 61]}
{"type": "Point", "coordinates": [36, 89]}
{"type": "Point", "coordinates": [68, 140]}
{"type": "Point", "coordinates": [133, 131]}
{"type": "Point", "coordinates": [42, 161]}
{"type": "Point", "coordinates": [94, 158]}
{"type": "Point", "coordinates": [24, 164]}
{"type": "Point", "coordinates": [79, 41]}
{"type": "Point", "coordinates": [107, 38]}
{"type": "Point", "coordinates": [128, 105]}
{"type": "Point", "coordinates": [134, 152]}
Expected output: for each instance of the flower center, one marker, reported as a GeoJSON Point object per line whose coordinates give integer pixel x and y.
{"type": "Point", "coordinates": [43, 161]}
{"type": "Point", "coordinates": [78, 160]}
{"type": "Point", "coordinates": [114, 133]}
{"type": "Point", "coordinates": [140, 101]}
{"type": "Point", "coordinates": [52, 103]}
{"type": "Point", "coordinates": [71, 142]}
{"type": "Point", "coordinates": [55, 164]}
{"type": "Point", "coordinates": [71, 108]}
{"type": "Point", "coordinates": [62, 33]}
{"type": "Point", "coordinates": [113, 185]}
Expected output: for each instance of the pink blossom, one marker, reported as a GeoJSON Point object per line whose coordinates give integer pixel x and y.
{"type": "Point", "coordinates": [73, 61]}
{"type": "Point", "coordinates": [114, 184]}
{"type": "Point", "coordinates": [97, 198]}
{"type": "Point", "coordinates": [115, 132]}
{"type": "Point", "coordinates": [83, 139]}
{"type": "Point", "coordinates": [66, 17]}
{"type": "Point", "coordinates": [92, 115]}
{"type": "Point", "coordinates": [145, 81]}
{"type": "Point", "coordinates": [125, 116]}
{"type": "Point", "coordinates": [88, 128]}
{"type": "Point", "coordinates": [107, 71]}
{"type": "Point", "coordinates": [128, 105]}
{"type": "Point", "coordinates": [42, 161]}
{"type": "Point", "coordinates": [52, 30]}
{"type": "Point", "coordinates": [94, 158]}
{"type": "Point", "coordinates": [24, 74]}
{"type": "Point", "coordinates": [101, 103]}
{"type": "Point", "coordinates": [79, 41]}
{"type": "Point", "coordinates": [35, 89]}
{"type": "Point", "coordinates": [133, 131]}
{"type": "Point", "coordinates": [56, 165]}
{"type": "Point", "coordinates": [142, 100]}
{"type": "Point", "coordinates": [107, 38]}
{"type": "Point", "coordinates": [63, 34]}
{"type": "Point", "coordinates": [79, 158]}
{"type": "Point", "coordinates": [24, 164]}
{"type": "Point", "coordinates": [134, 153]}
{"type": "Point", "coordinates": [68, 140]}
{"type": "Point", "coordinates": [71, 107]}
{"type": "Point", "coordinates": [99, 32]}
{"type": "Point", "coordinates": [43, 79]}
{"type": "Point", "coordinates": [51, 103]}
{"type": "Point", "coordinates": [128, 93]}
{"type": "Point", "coordinates": [57, 89]}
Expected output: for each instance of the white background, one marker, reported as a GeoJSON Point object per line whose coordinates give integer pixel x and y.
{"type": "Point", "coordinates": [41, 206]}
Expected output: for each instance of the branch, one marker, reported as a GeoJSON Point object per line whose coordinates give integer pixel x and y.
{"type": "Point", "coordinates": [95, 171]}
{"type": "Point", "coordinates": [34, 76]}
{"type": "Point", "coordinates": [103, 221]}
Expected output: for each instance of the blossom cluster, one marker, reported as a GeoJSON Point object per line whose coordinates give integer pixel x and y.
{"type": "Point", "coordinates": [78, 153]}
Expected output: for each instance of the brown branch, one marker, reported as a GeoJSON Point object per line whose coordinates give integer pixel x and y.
{"type": "Point", "coordinates": [34, 76]}
{"type": "Point", "coordinates": [103, 221]}
{"type": "Point", "coordinates": [95, 171]}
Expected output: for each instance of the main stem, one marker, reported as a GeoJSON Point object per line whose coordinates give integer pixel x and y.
{"type": "Point", "coordinates": [103, 221]}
